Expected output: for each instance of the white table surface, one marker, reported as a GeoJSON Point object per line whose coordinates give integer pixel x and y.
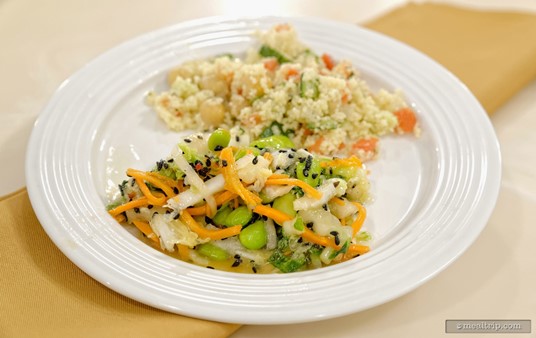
{"type": "Point", "coordinates": [43, 42]}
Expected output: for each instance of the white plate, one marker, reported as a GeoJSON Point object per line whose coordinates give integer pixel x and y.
{"type": "Point", "coordinates": [433, 195]}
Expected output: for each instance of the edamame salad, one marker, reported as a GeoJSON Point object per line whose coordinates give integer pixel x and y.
{"type": "Point", "coordinates": [226, 201]}
{"type": "Point", "coordinates": [319, 102]}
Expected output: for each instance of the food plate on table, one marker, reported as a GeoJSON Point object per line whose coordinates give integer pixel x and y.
{"type": "Point", "coordinates": [431, 195]}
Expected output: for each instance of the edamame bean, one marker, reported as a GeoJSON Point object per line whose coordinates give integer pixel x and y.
{"type": "Point", "coordinates": [219, 139]}
{"type": "Point", "coordinates": [213, 252]}
{"type": "Point", "coordinates": [221, 215]}
{"type": "Point", "coordinates": [239, 216]}
{"type": "Point", "coordinates": [309, 171]}
{"type": "Point", "coordinates": [274, 142]}
{"type": "Point", "coordinates": [244, 151]}
{"type": "Point", "coordinates": [254, 237]}
{"type": "Point", "coordinates": [285, 204]}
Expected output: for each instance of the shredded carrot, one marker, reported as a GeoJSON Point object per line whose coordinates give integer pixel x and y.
{"type": "Point", "coordinates": [356, 249]}
{"type": "Point", "coordinates": [235, 202]}
{"type": "Point", "coordinates": [220, 198]}
{"type": "Point", "coordinates": [278, 216]}
{"type": "Point", "coordinates": [275, 176]}
{"type": "Point", "coordinates": [150, 197]}
{"type": "Point", "coordinates": [167, 180]}
{"type": "Point", "coordinates": [312, 237]}
{"type": "Point", "coordinates": [120, 218]}
{"type": "Point", "coordinates": [360, 219]}
{"type": "Point", "coordinates": [184, 252]}
{"type": "Point", "coordinates": [268, 157]}
{"type": "Point", "coordinates": [153, 179]}
{"type": "Point", "coordinates": [309, 190]}
{"type": "Point", "coordinates": [205, 233]}
{"type": "Point", "coordinates": [232, 181]}
{"type": "Point", "coordinates": [198, 211]}
{"type": "Point", "coordinates": [129, 205]}
{"type": "Point", "coordinates": [145, 228]}
{"type": "Point", "coordinates": [352, 161]}
{"type": "Point", "coordinates": [224, 197]}
{"type": "Point", "coordinates": [337, 200]}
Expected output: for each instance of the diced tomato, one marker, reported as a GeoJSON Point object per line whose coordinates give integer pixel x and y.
{"type": "Point", "coordinates": [328, 61]}
{"type": "Point", "coordinates": [316, 146]}
{"type": "Point", "coordinates": [282, 27]}
{"type": "Point", "coordinates": [344, 97]}
{"type": "Point", "coordinates": [406, 120]}
{"type": "Point", "coordinates": [292, 72]}
{"type": "Point", "coordinates": [366, 144]}
{"type": "Point", "coordinates": [271, 64]}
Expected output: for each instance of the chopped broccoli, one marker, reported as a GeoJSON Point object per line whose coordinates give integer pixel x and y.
{"type": "Point", "coordinates": [291, 255]}
{"type": "Point", "coordinates": [168, 169]}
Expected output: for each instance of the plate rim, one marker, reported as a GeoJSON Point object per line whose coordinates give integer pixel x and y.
{"type": "Point", "coordinates": [44, 214]}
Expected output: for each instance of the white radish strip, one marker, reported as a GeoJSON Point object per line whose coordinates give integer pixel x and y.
{"type": "Point", "coordinates": [193, 180]}
{"type": "Point", "coordinates": [192, 196]}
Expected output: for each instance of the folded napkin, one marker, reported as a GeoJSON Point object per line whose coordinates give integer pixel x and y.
{"type": "Point", "coordinates": [43, 294]}
{"type": "Point", "coordinates": [493, 53]}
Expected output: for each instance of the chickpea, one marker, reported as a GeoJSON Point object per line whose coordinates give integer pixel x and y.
{"type": "Point", "coordinates": [183, 71]}
{"type": "Point", "coordinates": [214, 83]}
{"type": "Point", "coordinates": [212, 112]}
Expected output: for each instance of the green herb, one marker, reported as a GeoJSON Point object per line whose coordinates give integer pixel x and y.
{"type": "Point", "coordinates": [267, 51]}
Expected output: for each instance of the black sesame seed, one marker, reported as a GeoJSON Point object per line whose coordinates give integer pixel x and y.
{"type": "Point", "coordinates": [255, 160]}
{"type": "Point", "coordinates": [325, 207]}
{"type": "Point", "coordinates": [168, 211]}
{"type": "Point", "coordinates": [236, 263]}
{"type": "Point", "coordinates": [290, 155]}
{"type": "Point", "coordinates": [334, 233]}
{"type": "Point", "coordinates": [218, 148]}
{"type": "Point", "coordinates": [237, 256]}
{"type": "Point", "coordinates": [337, 240]}
{"type": "Point", "coordinates": [187, 140]}
{"type": "Point", "coordinates": [314, 176]}
{"type": "Point", "coordinates": [237, 138]}
{"type": "Point", "coordinates": [170, 160]}
{"type": "Point", "coordinates": [165, 165]}
{"type": "Point", "coordinates": [309, 225]}
{"type": "Point", "coordinates": [282, 151]}
{"type": "Point", "coordinates": [200, 137]}
{"type": "Point", "coordinates": [210, 267]}
{"type": "Point", "coordinates": [254, 269]}
{"type": "Point", "coordinates": [224, 163]}
{"type": "Point", "coordinates": [306, 172]}
{"type": "Point", "coordinates": [208, 220]}
{"type": "Point", "coordinates": [208, 162]}
{"type": "Point", "coordinates": [137, 210]}
{"type": "Point", "coordinates": [175, 190]}
{"type": "Point", "coordinates": [159, 165]}
{"type": "Point", "coordinates": [132, 183]}
{"type": "Point", "coordinates": [308, 162]}
{"type": "Point", "coordinates": [150, 206]}
{"type": "Point", "coordinates": [177, 216]}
